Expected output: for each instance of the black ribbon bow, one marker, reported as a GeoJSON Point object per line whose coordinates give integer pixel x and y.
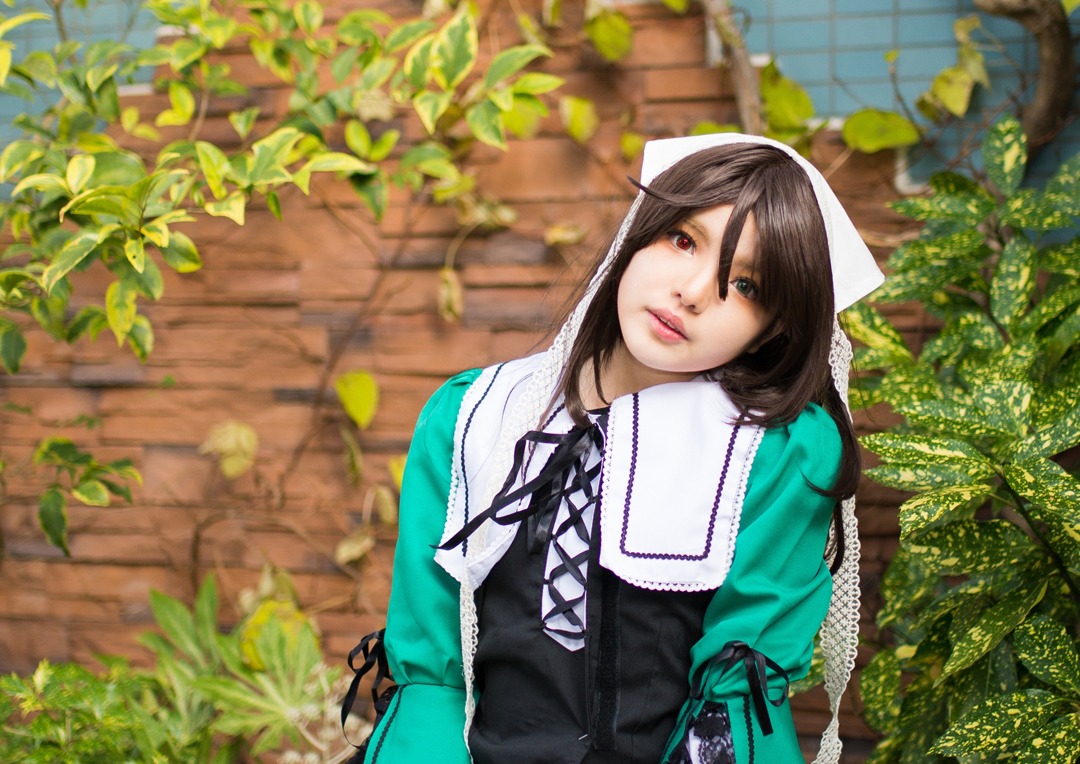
{"type": "Point", "coordinates": [563, 469]}
{"type": "Point", "coordinates": [755, 664]}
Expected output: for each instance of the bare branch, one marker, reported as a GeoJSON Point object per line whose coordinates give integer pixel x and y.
{"type": "Point", "coordinates": [1045, 115]}
{"type": "Point", "coordinates": [743, 74]}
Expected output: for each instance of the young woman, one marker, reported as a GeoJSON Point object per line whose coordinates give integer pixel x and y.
{"type": "Point", "coordinates": [640, 531]}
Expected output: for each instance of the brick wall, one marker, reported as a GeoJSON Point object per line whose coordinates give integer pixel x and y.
{"type": "Point", "coordinates": [281, 307]}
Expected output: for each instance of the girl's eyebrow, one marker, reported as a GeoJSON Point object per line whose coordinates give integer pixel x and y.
{"type": "Point", "coordinates": [699, 230]}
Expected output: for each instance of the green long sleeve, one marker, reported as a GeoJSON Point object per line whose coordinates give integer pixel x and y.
{"type": "Point", "coordinates": [778, 589]}
{"type": "Point", "coordinates": [426, 720]}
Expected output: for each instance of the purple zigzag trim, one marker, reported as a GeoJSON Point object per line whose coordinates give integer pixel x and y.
{"type": "Point", "coordinates": [464, 434]}
{"type": "Point", "coordinates": [630, 490]}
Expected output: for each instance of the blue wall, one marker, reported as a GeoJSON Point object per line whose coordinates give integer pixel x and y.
{"type": "Point", "coordinates": [836, 50]}
{"type": "Point", "coordinates": [100, 20]}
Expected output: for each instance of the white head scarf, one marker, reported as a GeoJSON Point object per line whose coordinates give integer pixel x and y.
{"type": "Point", "coordinates": [855, 274]}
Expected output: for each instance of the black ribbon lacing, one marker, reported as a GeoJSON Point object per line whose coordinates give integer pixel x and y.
{"type": "Point", "coordinates": [561, 479]}
{"type": "Point", "coordinates": [374, 652]}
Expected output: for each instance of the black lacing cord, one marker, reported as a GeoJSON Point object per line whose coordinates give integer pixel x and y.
{"type": "Point", "coordinates": [374, 652]}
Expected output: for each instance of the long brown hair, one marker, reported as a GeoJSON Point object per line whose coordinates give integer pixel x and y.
{"type": "Point", "coordinates": [774, 384]}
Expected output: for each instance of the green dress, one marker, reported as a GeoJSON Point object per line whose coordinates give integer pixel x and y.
{"type": "Point", "coordinates": [774, 597]}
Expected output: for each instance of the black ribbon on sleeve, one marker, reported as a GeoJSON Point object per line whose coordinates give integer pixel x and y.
{"type": "Point", "coordinates": [755, 665]}
{"type": "Point", "coordinates": [374, 652]}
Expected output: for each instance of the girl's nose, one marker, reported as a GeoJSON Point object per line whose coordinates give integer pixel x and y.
{"type": "Point", "coordinates": [698, 288]}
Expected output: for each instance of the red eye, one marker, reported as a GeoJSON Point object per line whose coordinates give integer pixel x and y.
{"type": "Point", "coordinates": [684, 242]}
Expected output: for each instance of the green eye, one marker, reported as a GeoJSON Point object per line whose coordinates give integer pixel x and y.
{"type": "Point", "coordinates": [745, 287]}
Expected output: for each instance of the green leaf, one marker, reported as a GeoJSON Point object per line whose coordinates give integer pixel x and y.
{"type": "Point", "coordinates": [503, 98]}
{"type": "Point", "coordinates": [1063, 433]}
{"type": "Point", "coordinates": [176, 622]}
{"type": "Point", "coordinates": [141, 338]}
{"type": "Point", "coordinates": [309, 16]}
{"type": "Point", "coordinates": [879, 687]}
{"type": "Point", "coordinates": [1052, 305]}
{"type": "Point", "coordinates": [953, 420]}
{"type": "Point", "coordinates": [1055, 743]}
{"type": "Point", "coordinates": [96, 76]}
{"type": "Point", "coordinates": [45, 182]}
{"type": "Point", "coordinates": [376, 73]}
{"type": "Point", "coordinates": [1029, 209]}
{"type": "Point", "coordinates": [523, 119]}
{"type": "Point", "coordinates": [181, 254]}
{"type": "Point", "coordinates": [382, 147]}
{"type": "Point", "coordinates": [969, 547]}
{"type": "Point", "coordinates": [22, 18]}
{"type": "Point", "coordinates": [869, 326]}
{"type": "Point", "coordinates": [417, 62]}
{"type": "Point", "coordinates": [510, 61]}
{"type": "Point", "coordinates": [579, 117]}
{"type": "Point", "coordinates": [52, 516]}
{"type": "Point", "coordinates": [235, 445]}
{"type": "Point", "coordinates": [485, 122]}
{"type": "Point", "coordinates": [92, 493]}
{"type": "Point", "coordinates": [156, 232]}
{"type": "Point", "coordinates": [80, 168]}
{"type": "Point", "coordinates": [999, 723]}
{"type": "Point", "coordinates": [456, 49]}
{"type": "Point", "coordinates": [994, 623]}
{"type": "Point", "coordinates": [1048, 651]}
{"type": "Point", "coordinates": [1044, 482]}
{"type": "Point", "coordinates": [185, 52]}
{"type": "Point", "coordinates": [1005, 402]}
{"type": "Point", "coordinates": [537, 83]}
{"type": "Point", "coordinates": [1005, 154]}
{"type": "Point", "coordinates": [120, 309]}
{"type": "Point", "coordinates": [273, 203]}
{"type": "Point", "coordinates": [787, 105]}
{"type": "Point", "coordinates": [359, 395]}
{"type": "Point", "coordinates": [921, 448]}
{"type": "Point", "coordinates": [270, 154]}
{"type": "Point", "coordinates": [343, 64]}
{"type": "Point", "coordinates": [149, 282]}
{"type": "Point", "coordinates": [964, 245]}
{"type": "Point", "coordinates": [232, 207]}
{"type": "Point", "coordinates": [205, 614]}
{"type": "Point", "coordinates": [90, 320]}
{"type": "Point", "coordinates": [405, 35]}
{"type": "Point", "coordinates": [968, 331]}
{"type": "Point", "coordinates": [135, 252]}
{"type": "Point", "coordinates": [214, 165]}
{"type": "Point", "coordinates": [12, 346]}
{"type": "Point", "coordinates": [105, 203]}
{"type": "Point", "coordinates": [15, 156]}
{"type": "Point", "coordinates": [906, 586]}
{"type": "Point", "coordinates": [430, 106]}
{"type": "Point", "coordinates": [872, 130]}
{"type": "Point", "coordinates": [357, 138]}
{"type": "Point", "coordinates": [183, 106]}
{"type": "Point", "coordinates": [331, 161]}
{"type": "Point", "coordinates": [243, 121]}
{"type": "Point", "coordinates": [75, 250]}
{"type": "Point", "coordinates": [610, 33]}
{"type": "Point", "coordinates": [920, 511]}
{"type": "Point", "coordinates": [952, 89]}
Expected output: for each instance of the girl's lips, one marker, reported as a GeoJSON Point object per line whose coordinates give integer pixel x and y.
{"type": "Point", "coordinates": [668, 326]}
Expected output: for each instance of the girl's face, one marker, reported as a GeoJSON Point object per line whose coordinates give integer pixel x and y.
{"type": "Point", "coordinates": [674, 323]}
